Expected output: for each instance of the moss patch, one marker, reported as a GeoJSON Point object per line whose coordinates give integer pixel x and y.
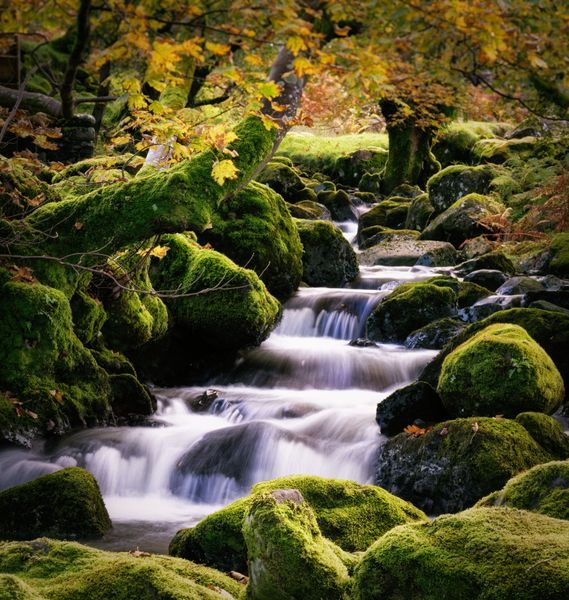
{"type": "Point", "coordinates": [547, 432]}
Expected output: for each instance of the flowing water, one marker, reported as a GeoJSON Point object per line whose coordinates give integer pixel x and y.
{"type": "Point", "coordinates": [302, 402]}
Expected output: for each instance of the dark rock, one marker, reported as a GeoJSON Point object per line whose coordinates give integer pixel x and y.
{"type": "Point", "coordinates": [362, 343]}
{"type": "Point", "coordinates": [419, 213]}
{"type": "Point", "coordinates": [203, 402]}
{"type": "Point", "coordinates": [404, 406]}
{"type": "Point", "coordinates": [435, 335]}
{"type": "Point", "coordinates": [520, 285]}
{"type": "Point", "coordinates": [129, 397]}
{"type": "Point", "coordinates": [488, 306]}
{"type": "Point", "coordinates": [559, 298]}
{"type": "Point", "coordinates": [339, 204]}
{"type": "Point", "coordinates": [491, 279]}
{"type": "Point", "coordinates": [544, 305]}
{"type": "Point", "coordinates": [492, 261]}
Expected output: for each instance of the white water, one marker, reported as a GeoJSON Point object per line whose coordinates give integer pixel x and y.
{"type": "Point", "coordinates": [303, 402]}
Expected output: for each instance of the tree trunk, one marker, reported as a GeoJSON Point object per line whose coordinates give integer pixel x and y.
{"type": "Point", "coordinates": [410, 158]}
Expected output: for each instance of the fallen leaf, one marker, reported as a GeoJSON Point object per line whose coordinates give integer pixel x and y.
{"type": "Point", "coordinates": [78, 225]}
{"type": "Point", "coordinates": [224, 170]}
{"type": "Point", "coordinates": [57, 395]}
{"type": "Point", "coordinates": [416, 431]}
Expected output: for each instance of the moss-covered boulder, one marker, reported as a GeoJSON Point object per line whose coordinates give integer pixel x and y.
{"type": "Point", "coordinates": [499, 150]}
{"type": "Point", "coordinates": [129, 397]}
{"type": "Point", "coordinates": [456, 463]}
{"type": "Point", "coordinates": [65, 504]}
{"type": "Point", "coordinates": [500, 370]}
{"type": "Point", "coordinates": [220, 305]}
{"type": "Point", "coordinates": [88, 314]}
{"type": "Point", "coordinates": [387, 213]}
{"type": "Point", "coordinates": [454, 143]}
{"type": "Point", "coordinates": [255, 229]}
{"type": "Point", "coordinates": [495, 261]}
{"type": "Point", "coordinates": [375, 235]}
{"type": "Point", "coordinates": [47, 568]}
{"type": "Point", "coordinates": [339, 203]}
{"type": "Point", "coordinates": [286, 181]}
{"type": "Point", "coordinates": [547, 432]}
{"type": "Point", "coordinates": [463, 219]}
{"type": "Point", "coordinates": [287, 555]}
{"type": "Point", "coordinates": [559, 263]}
{"type": "Point", "coordinates": [543, 489]}
{"type": "Point", "coordinates": [409, 307]}
{"type": "Point", "coordinates": [454, 182]}
{"type": "Point", "coordinates": [419, 213]}
{"type": "Point", "coordinates": [350, 168]}
{"type": "Point", "coordinates": [350, 514]}
{"type": "Point", "coordinates": [403, 251]}
{"type": "Point", "coordinates": [53, 379]}
{"type": "Point", "coordinates": [308, 209]}
{"type": "Point", "coordinates": [495, 554]}
{"type": "Point", "coordinates": [328, 258]}
{"type": "Point", "coordinates": [371, 183]}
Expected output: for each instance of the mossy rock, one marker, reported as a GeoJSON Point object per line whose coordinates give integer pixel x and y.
{"type": "Point", "coordinates": [339, 204]}
{"type": "Point", "coordinates": [370, 182]}
{"type": "Point", "coordinates": [405, 252]}
{"type": "Point", "coordinates": [454, 182]}
{"type": "Point", "coordinates": [287, 555]}
{"type": "Point", "coordinates": [89, 315]}
{"type": "Point", "coordinates": [286, 181]}
{"type": "Point", "coordinates": [226, 307]}
{"type": "Point", "coordinates": [129, 397]}
{"type": "Point", "coordinates": [112, 361]}
{"type": "Point", "coordinates": [349, 169]}
{"type": "Point", "coordinates": [44, 364]}
{"type": "Point", "coordinates": [495, 554]}
{"type": "Point", "coordinates": [419, 213]}
{"type": "Point", "coordinates": [328, 258]}
{"type": "Point", "coordinates": [387, 213]}
{"type": "Point", "coordinates": [463, 219]}
{"type": "Point", "coordinates": [547, 432]}
{"type": "Point", "coordinates": [350, 514]}
{"type": "Point", "coordinates": [67, 571]}
{"type": "Point", "coordinates": [64, 504]}
{"type": "Point", "coordinates": [495, 261]}
{"type": "Point", "coordinates": [129, 163]}
{"type": "Point", "coordinates": [409, 307]}
{"type": "Point", "coordinates": [456, 463]}
{"type": "Point", "coordinates": [543, 489]}
{"type": "Point", "coordinates": [559, 263]}
{"type": "Point", "coordinates": [435, 335]}
{"type": "Point", "coordinates": [500, 370]}
{"type": "Point", "coordinates": [307, 209]}
{"type": "Point", "coordinates": [499, 150]}
{"type": "Point", "coordinates": [377, 234]}
{"type": "Point", "coordinates": [254, 229]}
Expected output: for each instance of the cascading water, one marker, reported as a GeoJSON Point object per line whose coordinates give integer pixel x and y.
{"type": "Point", "coordinates": [303, 402]}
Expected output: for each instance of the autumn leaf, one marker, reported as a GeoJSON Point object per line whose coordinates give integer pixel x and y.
{"type": "Point", "coordinates": [78, 225]}
{"type": "Point", "coordinates": [269, 90]}
{"type": "Point", "coordinates": [224, 170]}
{"type": "Point", "coordinates": [296, 44]}
{"type": "Point", "coordinates": [57, 395]}
{"type": "Point", "coordinates": [417, 431]}
{"type": "Point", "coordinates": [159, 252]}
{"type": "Point", "coordinates": [218, 49]}
{"type": "Point", "coordinates": [23, 274]}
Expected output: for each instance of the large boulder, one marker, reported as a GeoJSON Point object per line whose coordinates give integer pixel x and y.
{"type": "Point", "coordinates": [387, 213]}
{"type": "Point", "coordinates": [255, 230]}
{"type": "Point", "coordinates": [339, 203]}
{"type": "Point", "coordinates": [218, 305]}
{"type": "Point", "coordinates": [350, 168]}
{"type": "Point", "coordinates": [286, 181]}
{"type": "Point", "coordinates": [454, 182]}
{"type": "Point", "coordinates": [500, 370]}
{"type": "Point", "coordinates": [496, 261]}
{"type": "Point", "coordinates": [348, 513]}
{"type": "Point", "coordinates": [409, 307]}
{"type": "Point", "coordinates": [463, 219]}
{"type": "Point", "coordinates": [406, 252]}
{"type": "Point", "coordinates": [47, 568]}
{"type": "Point", "coordinates": [64, 504]}
{"type": "Point", "coordinates": [419, 213]}
{"type": "Point", "coordinates": [498, 150]}
{"type": "Point", "coordinates": [328, 258]}
{"type": "Point", "coordinates": [490, 553]}
{"type": "Point", "coordinates": [456, 463]}
{"type": "Point", "coordinates": [543, 489]}
{"type": "Point", "coordinates": [287, 555]}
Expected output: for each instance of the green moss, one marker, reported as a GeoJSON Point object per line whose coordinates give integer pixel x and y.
{"type": "Point", "coordinates": [457, 463]}
{"type": "Point", "coordinates": [500, 370]}
{"type": "Point", "coordinates": [88, 316]}
{"type": "Point", "coordinates": [387, 213]}
{"type": "Point", "coordinates": [286, 553]}
{"type": "Point", "coordinates": [129, 397]}
{"type": "Point", "coordinates": [409, 307]}
{"type": "Point", "coordinates": [491, 260]}
{"type": "Point", "coordinates": [286, 181]}
{"type": "Point", "coordinates": [68, 571]}
{"type": "Point", "coordinates": [500, 150]}
{"type": "Point", "coordinates": [462, 220]}
{"type": "Point", "coordinates": [488, 553]}
{"type": "Point", "coordinates": [226, 307]}
{"type": "Point", "coordinates": [64, 504]}
{"type": "Point", "coordinates": [559, 264]}
{"type": "Point", "coordinates": [44, 363]}
{"type": "Point", "coordinates": [547, 432]}
{"type": "Point", "coordinates": [543, 489]}
{"type": "Point", "coordinates": [351, 168]}
{"type": "Point", "coordinates": [130, 163]}
{"type": "Point", "coordinates": [370, 182]}
{"type": "Point", "coordinates": [254, 229]}
{"type": "Point", "coordinates": [350, 514]}
{"type": "Point", "coordinates": [328, 258]}
{"type": "Point", "coordinates": [419, 213]}
{"type": "Point", "coordinates": [112, 361]}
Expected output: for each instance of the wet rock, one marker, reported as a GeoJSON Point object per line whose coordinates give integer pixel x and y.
{"type": "Point", "coordinates": [308, 209]}
{"type": "Point", "coordinates": [203, 402]}
{"type": "Point", "coordinates": [488, 306]}
{"type": "Point", "coordinates": [457, 463]}
{"type": "Point", "coordinates": [404, 406]}
{"type": "Point", "coordinates": [339, 204]}
{"type": "Point", "coordinates": [559, 298]}
{"type": "Point", "coordinates": [419, 213]}
{"type": "Point", "coordinates": [491, 279]}
{"type": "Point", "coordinates": [493, 261]}
{"type": "Point", "coordinates": [435, 335]}
{"type": "Point", "coordinates": [559, 249]}
{"type": "Point", "coordinates": [362, 343]}
{"type": "Point", "coordinates": [406, 253]}
{"type": "Point", "coordinates": [520, 285]}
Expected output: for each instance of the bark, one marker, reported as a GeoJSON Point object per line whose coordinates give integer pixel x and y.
{"type": "Point", "coordinates": [30, 101]}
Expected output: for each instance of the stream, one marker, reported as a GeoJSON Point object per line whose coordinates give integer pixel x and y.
{"type": "Point", "coordinates": [302, 403]}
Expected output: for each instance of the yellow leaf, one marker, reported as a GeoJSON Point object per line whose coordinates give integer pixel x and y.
{"type": "Point", "coordinates": [269, 89]}
{"type": "Point", "coordinates": [224, 170]}
{"type": "Point", "coordinates": [303, 66]}
{"type": "Point", "coordinates": [296, 44]}
{"type": "Point", "coordinates": [119, 140]}
{"type": "Point", "coordinates": [255, 61]}
{"type": "Point", "coordinates": [269, 123]}
{"type": "Point", "coordinates": [218, 49]}
{"type": "Point", "coordinates": [159, 251]}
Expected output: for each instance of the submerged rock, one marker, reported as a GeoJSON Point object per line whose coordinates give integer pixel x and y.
{"type": "Point", "coordinates": [457, 463]}
{"type": "Point", "coordinates": [500, 370]}
{"type": "Point", "coordinates": [492, 553]}
{"type": "Point", "coordinates": [64, 504]}
{"type": "Point", "coordinates": [543, 489]}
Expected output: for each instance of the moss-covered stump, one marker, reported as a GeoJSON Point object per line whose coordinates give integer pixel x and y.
{"type": "Point", "coordinates": [65, 504]}
{"type": "Point", "coordinates": [287, 555]}
{"type": "Point", "coordinates": [405, 252]}
{"type": "Point", "coordinates": [456, 181]}
{"type": "Point", "coordinates": [47, 568]}
{"type": "Point", "coordinates": [53, 380]}
{"type": "Point", "coordinates": [328, 258]}
{"type": "Point", "coordinates": [419, 213]}
{"type": "Point", "coordinates": [255, 229]}
{"type": "Point", "coordinates": [500, 370]}
{"type": "Point", "coordinates": [348, 513]}
{"type": "Point", "coordinates": [286, 181]}
{"type": "Point", "coordinates": [543, 489]}
{"type": "Point", "coordinates": [457, 463]}
{"type": "Point", "coordinates": [559, 263]}
{"type": "Point", "coordinates": [495, 554]}
{"type": "Point", "coordinates": [547, 432]}
{"type": "Point", "coordinates": [220, 305]}
{"type": "Point", "coordinates": [409, 307]}
{"type": "Point", "coordinates": [463, 220]}
{"type": "Point", "coordinates": [549, 329]}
